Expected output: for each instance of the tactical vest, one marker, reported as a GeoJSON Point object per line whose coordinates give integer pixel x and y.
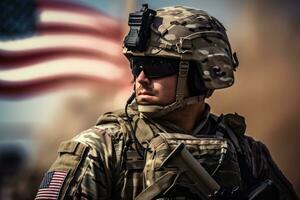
{"type": "Point", "coordinates": [210, 152]}
{"type": "Point", "coordinates": [141, 173]}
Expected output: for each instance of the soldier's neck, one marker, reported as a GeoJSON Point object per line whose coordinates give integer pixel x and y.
{"type": "Point", "coordinates": [187, 117]}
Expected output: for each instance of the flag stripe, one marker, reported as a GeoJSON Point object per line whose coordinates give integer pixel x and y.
{"type": "Point", "coordinates": [56, 28]}
{"type": "Point", "coordinates": [89, 67]}
{"type": "Point", "coordinates": [71, 6]}
{"type": "Point", "coordinates": [49, 11]}
{"type": "Point", "coordinates": [18, 59]}
{"type": "Point", "coordinates": [100, 44]}
{"type": "Point", "coordinates": [28, 89]}
{"type": "Point", "coordinates": [50, 20]}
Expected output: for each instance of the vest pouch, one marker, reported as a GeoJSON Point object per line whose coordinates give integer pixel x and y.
{"type": "Point", "coordinates": [133, 176]}
{"type": "Point", "coordinates": [207, 150]}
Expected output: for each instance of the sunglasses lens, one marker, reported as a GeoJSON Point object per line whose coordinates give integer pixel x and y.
{"type": "Point", "coordinates": [136, 70]}
{"type": "Point", "coordinates": [154, 67]}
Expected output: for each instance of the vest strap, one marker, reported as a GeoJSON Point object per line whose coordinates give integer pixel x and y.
{"type": "Point", "coordinates": [158, 187]}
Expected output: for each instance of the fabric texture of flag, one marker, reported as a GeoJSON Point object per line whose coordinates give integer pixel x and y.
{"type": "Point", "coordinates": [56, 43]}
{"type": "Point", "coordinates": [51, 185]}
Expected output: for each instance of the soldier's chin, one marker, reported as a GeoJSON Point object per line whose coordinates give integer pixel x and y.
{"type": "Point", "coordinates": [145, 101]}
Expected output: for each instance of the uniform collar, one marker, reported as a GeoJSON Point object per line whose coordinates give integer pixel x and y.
{"type": "Point", "coordinates": [169, 127]}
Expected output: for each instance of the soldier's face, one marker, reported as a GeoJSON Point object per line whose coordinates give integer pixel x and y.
{"type": "Point", "coordinates": [160, 91]}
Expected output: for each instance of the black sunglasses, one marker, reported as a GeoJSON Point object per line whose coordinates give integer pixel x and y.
{"type": "Point", "coordinates": [154, 67]}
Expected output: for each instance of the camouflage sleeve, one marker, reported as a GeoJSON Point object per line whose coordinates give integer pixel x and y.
{"type": "Point", "coordinates": [266, 168]}
{"type": "Point", "coordinates": [87, 168]}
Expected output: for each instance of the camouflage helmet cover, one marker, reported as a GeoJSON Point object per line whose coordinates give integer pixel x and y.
{"type": "Point", "coordinates": [190, 34]}
{"type": "Point", "coordinates": [197, 40]}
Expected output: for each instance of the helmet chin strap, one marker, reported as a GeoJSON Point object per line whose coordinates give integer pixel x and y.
{"type": "Point", "coordinates": [156, 111]}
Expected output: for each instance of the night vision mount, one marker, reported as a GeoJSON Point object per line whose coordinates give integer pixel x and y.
{"type": "Point", "coordinates": [139, 22]}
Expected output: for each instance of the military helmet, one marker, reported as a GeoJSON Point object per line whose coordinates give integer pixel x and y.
{"type": "Point", "coordinates": [195, 38]}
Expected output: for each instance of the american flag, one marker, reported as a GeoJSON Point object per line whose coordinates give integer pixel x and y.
{"type": "Point", "coordinates": [46, 44]}
{"type": "Point", "coordinates": [51, 185]}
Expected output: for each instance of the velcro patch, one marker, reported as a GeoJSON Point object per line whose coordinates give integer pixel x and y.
{"type": "Point", "coordinates": [51, 185]}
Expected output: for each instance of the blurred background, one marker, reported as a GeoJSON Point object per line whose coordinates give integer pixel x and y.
{"type": "Point", "coordinates": [61, 66]}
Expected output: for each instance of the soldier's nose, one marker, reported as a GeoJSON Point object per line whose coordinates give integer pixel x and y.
{"type": "Point", "coordinates": [142, 78]}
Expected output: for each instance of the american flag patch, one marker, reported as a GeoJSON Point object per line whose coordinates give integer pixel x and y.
{"type": "Point", "coordinates": [51, 185]}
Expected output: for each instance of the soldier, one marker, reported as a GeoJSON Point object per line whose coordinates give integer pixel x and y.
{"type": "Point", "coordinates": [178, 57]}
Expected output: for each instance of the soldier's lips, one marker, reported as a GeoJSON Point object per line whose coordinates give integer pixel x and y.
{"type": "Point", "coordinates": [145, 98]}
{"type": "Point", "coordinates": [140, 93]}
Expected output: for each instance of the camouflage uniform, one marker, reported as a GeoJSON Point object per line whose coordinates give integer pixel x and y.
{"type": "Point", "coordinates": [100, 165]}
{"type": "Point", "coordinates": [103, 163]}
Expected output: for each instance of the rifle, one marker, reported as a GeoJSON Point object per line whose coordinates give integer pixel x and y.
{"type": "Point", "coordinates": [181, 162]}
